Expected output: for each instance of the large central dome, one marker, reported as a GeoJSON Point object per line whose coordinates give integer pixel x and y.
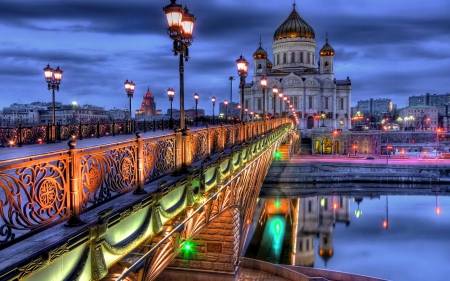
{"type": "Point", "coordinates": [294, 27]}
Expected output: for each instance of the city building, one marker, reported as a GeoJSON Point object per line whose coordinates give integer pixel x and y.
{"type": "Point", "coordinates": [374, 107]}
{"type": "Point", "coordinates": [312, 89]}
{"type": "Point", "coordinates": [24, 114]}
{"type": "Point", "coordinates": [117, 114]}
{"type": "Point", "coordinates": [441, 102]}
{"type": "Point", "coordinates": [148, 106]}
{"type": "Point", "coordinates": [233, 110]}
{"type": "Point", "coordinates": [419, 117]}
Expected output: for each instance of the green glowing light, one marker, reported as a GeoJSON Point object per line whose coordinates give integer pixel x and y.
{"type": "Point", "coordinates": [277, 155]}
{"type": "Point", "coordinates": [277, 225]}
{"type": "Point", "coordinates": [188, 246]}
{"type": "Point", "coordinates": [322, 202]}
{"type": "Point", "coordinates": [358, 213]}
{"type": "Point", "coordinates": [277, 203]}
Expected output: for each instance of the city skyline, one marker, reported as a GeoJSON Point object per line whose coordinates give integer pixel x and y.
{"type": "Point", "coordinates": [389, 49]}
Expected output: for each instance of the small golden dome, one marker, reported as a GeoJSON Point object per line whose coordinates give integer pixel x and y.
{"type": "Point", "coordinates": [326, 50]}
{"type": "Point", "coordinates": [260, 53]}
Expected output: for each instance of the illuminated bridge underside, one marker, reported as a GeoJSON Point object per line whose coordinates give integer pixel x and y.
{"type": "Point", "coordinates": [146, 233]}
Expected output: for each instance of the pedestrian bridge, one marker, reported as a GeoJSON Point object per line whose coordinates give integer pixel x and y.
{"type": "Point", "coordinates": [139, 209]}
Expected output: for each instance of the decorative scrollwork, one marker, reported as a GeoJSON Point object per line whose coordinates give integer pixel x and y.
{"type": "Point", "coordinates": [199, 148]}
{"type": "Point", "coordinates": [32, 196]}
{"type": "Point", "coordinates": [107, 173]}
{"type": "Point", "coordinates": [159, 158]}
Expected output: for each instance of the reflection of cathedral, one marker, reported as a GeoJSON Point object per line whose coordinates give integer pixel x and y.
{"type": "Point", "coordinates": [311, 89]}
{"type": "Point", "coordinates": [298, 222]}
{"type": "Point", "coordinates": [316, 217]}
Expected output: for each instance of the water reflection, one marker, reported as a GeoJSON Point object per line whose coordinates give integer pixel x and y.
{"type": "Point", "coordinates": [387, 236]}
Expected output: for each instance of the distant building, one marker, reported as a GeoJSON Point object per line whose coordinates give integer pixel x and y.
{"type": "Point", "coordinates": [148, 105]}
{"type": "Point", "coordinates": [25, 114]}
{"type": "Point", "coordinates": [373, 107]}
{"type": "Point", "coordinates": [421, 117]}
{"type": "Point", "coordinates": [233, 110]}
{"type": "Point", "coordinates": [117, 114]}
{"type": "Point", "coordinates": [441, 102]}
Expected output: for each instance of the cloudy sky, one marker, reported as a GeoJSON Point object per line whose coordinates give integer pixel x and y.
{"type": "Point", "coordinates": [390, 49]}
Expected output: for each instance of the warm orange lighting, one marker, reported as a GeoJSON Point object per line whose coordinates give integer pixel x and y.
{"type": "Point", "coordinates": [438, 210]}
{"type": "Point", "coordinates": [385, 224]}
{"type": "Point", "coordinates": [335, 206]}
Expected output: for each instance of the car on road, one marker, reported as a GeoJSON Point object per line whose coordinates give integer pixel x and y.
{"type": "Point", "coordinates": [370, 157]}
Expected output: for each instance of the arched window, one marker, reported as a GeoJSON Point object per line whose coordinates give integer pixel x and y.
{"type": "Point", "coordinates": [326, 146]}
{"type": "Point", "coordinates": [259, 70]}
{"type": "Point", "coordinates": [342, 104]}
{"type": "Point", "coordinates": [309, 57]}
{"type": "Point", "coordinates": [292, 57]}
{"type": "Point", "coordinates": [310, 102]}
{"type": "Point", "coordinates": [341, 122]}
{"type": "Point", "coordinates": [301, 57]}
{"type": "Point", "coordinates": [284, 58]}
{"type": "Point", "coordinates": [326, 102]}
{"type": "Point", "coordinates": [278, 59]}
{"type": "Point", "coordinates": [313, 58]}
{"type": "Point", "coordinates": [295, 102]}
{"type": "Point", "coordinates": [316, 143]}
{"type": "Point", "coordinates": [259, 104]}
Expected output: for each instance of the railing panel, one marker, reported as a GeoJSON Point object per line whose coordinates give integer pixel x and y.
{"type": "Point", "coordinates": [159, 157]}
{"type": "Point", "coordinates": [33, 135]}
{"type": "Point", "coordinates": [107, 172]}
{"type": "Point", "coordinates": [228, 136]}
{"type": "Point", "coordinates": [33, 194]}
{"type": "Point", "coordinates": [199, 146]}
{"type": "Point", "coordinates": [215, 140]}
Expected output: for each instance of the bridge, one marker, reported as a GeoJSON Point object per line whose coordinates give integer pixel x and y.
{"type": "Point", "coordinates": [137, 209]}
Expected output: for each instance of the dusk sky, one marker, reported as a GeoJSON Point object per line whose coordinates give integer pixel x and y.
{"type": "Point", "coordinates": [389, 49]}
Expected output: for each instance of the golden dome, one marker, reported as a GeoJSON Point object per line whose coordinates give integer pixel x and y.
{"type": "Point", "coordinates": [326, 50]}
{"type": "Point", "coordinates": [260, 53]}
{"type": "Point", "coordinates": [294, 27]}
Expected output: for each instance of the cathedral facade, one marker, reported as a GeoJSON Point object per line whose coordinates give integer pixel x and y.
{"type": "Point", "coordinates": [319, 99]}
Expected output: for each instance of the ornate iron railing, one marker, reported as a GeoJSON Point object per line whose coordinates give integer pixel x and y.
{"type": "Point", "coordinates": [50, 188]}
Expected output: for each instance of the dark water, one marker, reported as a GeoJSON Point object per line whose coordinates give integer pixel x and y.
{"type": "Point", "coordinates": [393, 237]}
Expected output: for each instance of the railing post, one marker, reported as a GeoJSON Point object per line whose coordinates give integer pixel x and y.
{"type": "Point", "coordinates": [98, 129]}
{"type": "Point", "coordinates": [80, 131]}
{"type": "Point", "coordinates": [187, 155]}
{"type": "Point", "coordinates": [74, 186]}
{"type": "Point", "coordinates": [140, 165]}
{"type": "Point", "coordinates": [19, 135]}
{"type": "Point", "coordinates": [178, 151]}
{"type": "Point", "coordinates": [58, 130]}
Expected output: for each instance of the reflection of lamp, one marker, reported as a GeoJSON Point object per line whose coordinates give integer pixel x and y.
{"type": "Point", "coordinates": [386, 221]}
{"type": "Point", "coordinates": [358, 212]}
{"type": "Point", "coordinates": [438, 209]}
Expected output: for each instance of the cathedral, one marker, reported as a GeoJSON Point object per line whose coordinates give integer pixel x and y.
{"type": "Point", "coordinates": [319, 99]}
{"type": "Point", "coordinates": [148, 106]}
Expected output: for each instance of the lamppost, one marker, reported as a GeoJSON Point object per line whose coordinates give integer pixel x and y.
{"type": "Point", "coordinates": [246, 111]}
{"type": "Point", "coordinates": [263, 87]}
{"type": "Point", "coordinates": [196, 97]}
{"type": "Point", "coordinates": [251, 115]}
{"type": "Point", "coordinates": [53, 79]}
{"type": "Point", "coordinates": [226, 111]}
{"type": "Point", "coordinates": [355, 147]}
{"type": "Point", "coordinates": [438, 130]}
{"type": "Point", "coordinates": [280, 95]}
{"type": "Point", "coordinates": [181, 27]}
{"type": "Point", "coordinates": [242, 66]}
{"type": "Point", "coordinates": [275, 93]}
{"type": "Point", "coordinates": [333, 149]}
{"type": "Point", "coordinates": [213, 99]}
{"type": "Point", "coordinates": [171, 94]}
{"type": "Point", "coordinates": [323, 119]}
{"type": "Point", "coordinates": [129, 88]}
{"type": "Point", "coordinates": [285, 106]}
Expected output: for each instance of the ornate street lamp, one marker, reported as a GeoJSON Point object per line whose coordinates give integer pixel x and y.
{"type": "Point", "coordinates": [263, 87]}
{"type": "Point", "coordinates": [213, 99]}
{"type": "Point", "coordinates": [246, 111]}
{"type": "Point", "coordinates": [286, 104]}
{"type": "Point", "coordinates": [251, 115]}
{"type": "Point", "coordinates": [53, 79]}
{"type": "Point", "coordinates": [226, 111]}
{"type": "Point", "coordinates": [242, 66]}
{"type": "Point", "coordinates": [171, 94]}
{"type": "Point", "coordinates": [323, 119]}
{"type": "Point", "coordinates": [196, 97]}
{"type": "Point", "coordinates": [181, 27]}
{"type": "Point", "coordinates": [129, 88]}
